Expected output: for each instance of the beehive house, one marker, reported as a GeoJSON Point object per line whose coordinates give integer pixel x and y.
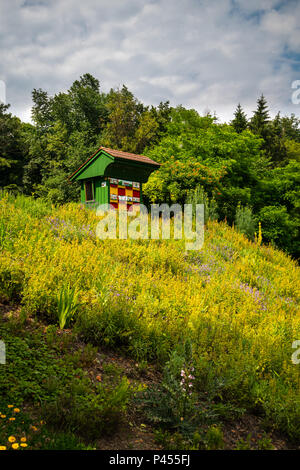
{"type": "Point", "coordinates": [115, 177]}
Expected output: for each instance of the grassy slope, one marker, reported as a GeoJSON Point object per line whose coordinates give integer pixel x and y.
{"type": "Point", "coordinates": [235, 301]}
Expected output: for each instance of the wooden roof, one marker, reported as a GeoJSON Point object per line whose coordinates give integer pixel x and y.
{"type": "Point", "coordinates": [129, 156]}
{"type": "Point", "coordinates": [119, 154]}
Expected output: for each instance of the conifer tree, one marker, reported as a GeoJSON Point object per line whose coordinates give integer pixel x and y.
{"type": "Point", "coordinates": [278, 151]}
{"type": "Point", "coordinates": [239, 122]}
{"type": "Point", "coordinates": [270, 131]}
{"type": "Point", "coordinates": [260, 120]}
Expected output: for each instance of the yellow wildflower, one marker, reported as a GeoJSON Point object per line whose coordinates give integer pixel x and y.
{"type": "Point", "coordinates": [12, 419]}
{"type": "Point", "coordinates": [15, 446]}
{"type": "Point", "coordinates": [2, 447]}
{"type": "Point", "coordinates": [16, 410]}
{"type": "Point", "coordinates": [3, 416]}
{"type": "Point", "coordinates": [12, 439]}
{"type": "Point", "coordinates": [23, 444]}
{"type": "Point", "coordinates": [10, 406]}
{"type": "Point", "coordinates": [23, 439]}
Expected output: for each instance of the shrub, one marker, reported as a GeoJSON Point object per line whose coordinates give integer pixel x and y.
{"type": "Point", "coordinates": [11, 278]}
{"type": "Point", "coordinates": [199, 196]}
{"type": "Point", "coordinates": [214, 438]}
{"type": "Point", "coordinates": [280, 228]}
{"type": "Point", "coordinates": [245, 221]}
{"type": "Point", "coordinates": [90, 416]}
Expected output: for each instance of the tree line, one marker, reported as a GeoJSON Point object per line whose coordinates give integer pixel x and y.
{"type": "Point", "coordinates": [246, 171]}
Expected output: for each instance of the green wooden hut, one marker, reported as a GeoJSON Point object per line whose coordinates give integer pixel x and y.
{"type": "Point", "coordinates": [112, 176]}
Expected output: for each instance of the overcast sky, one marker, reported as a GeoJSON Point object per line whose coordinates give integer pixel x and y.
{"type": "Point", "coordinates": [203, 54]}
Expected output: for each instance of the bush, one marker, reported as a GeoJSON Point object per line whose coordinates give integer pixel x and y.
{"type": "Point", "coordinates": [199, 196]}
{"type": "Point", "coordinates": [279, 228]}
{"type": "Point", "coordinates": [11, 279]}
{"type": "Point", "coordinates": [89, 415]}
{"type": "Point", "coordinates": [245, 221]}
{"type": "Point", "coordinates": [214, 438]}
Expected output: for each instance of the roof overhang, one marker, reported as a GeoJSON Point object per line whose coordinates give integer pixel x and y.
{"type": "Point", "coordinates": [116, 165]}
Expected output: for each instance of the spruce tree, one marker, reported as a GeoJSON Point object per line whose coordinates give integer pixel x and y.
{"type": "Point", "coordinates": [239, 122]}
{"type": "Point", "coordinates": [259, 123]}
{"type": "Point", "coordinates": [270, 131]}
{"type": "Point", "coordinates": [278, 152]}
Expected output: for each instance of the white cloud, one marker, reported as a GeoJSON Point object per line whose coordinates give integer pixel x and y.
{"type": "Point", "coordinates": [199, 53]}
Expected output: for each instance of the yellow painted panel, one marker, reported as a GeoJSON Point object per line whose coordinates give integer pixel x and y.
{"type": "Point", "coordinates": [113, 190]}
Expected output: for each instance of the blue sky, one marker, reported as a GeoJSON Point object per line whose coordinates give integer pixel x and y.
{"type": "Point", "coordinates": [203, 54]}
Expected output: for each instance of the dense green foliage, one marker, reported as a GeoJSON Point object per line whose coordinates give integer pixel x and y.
{"type": "Point", "coordinates": [251, 163]}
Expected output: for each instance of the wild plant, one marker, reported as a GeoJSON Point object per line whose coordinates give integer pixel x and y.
{"type": "Point", "coordinates": [67, 304]}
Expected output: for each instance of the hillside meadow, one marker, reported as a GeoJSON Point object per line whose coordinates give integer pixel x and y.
{"type": "Point", "coordinates": [227, 315]}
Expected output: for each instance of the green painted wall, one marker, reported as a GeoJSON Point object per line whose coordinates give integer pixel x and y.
{"type": "Point", "coordinates": [101, 192]}
{"type": "Point", "coordinates": [95, 167]}
{"type": "Point", "coordinates": [82, 196]}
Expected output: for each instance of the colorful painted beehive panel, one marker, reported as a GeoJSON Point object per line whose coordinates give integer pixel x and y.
{"type": "Point", "coordinates": [122, 193]}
